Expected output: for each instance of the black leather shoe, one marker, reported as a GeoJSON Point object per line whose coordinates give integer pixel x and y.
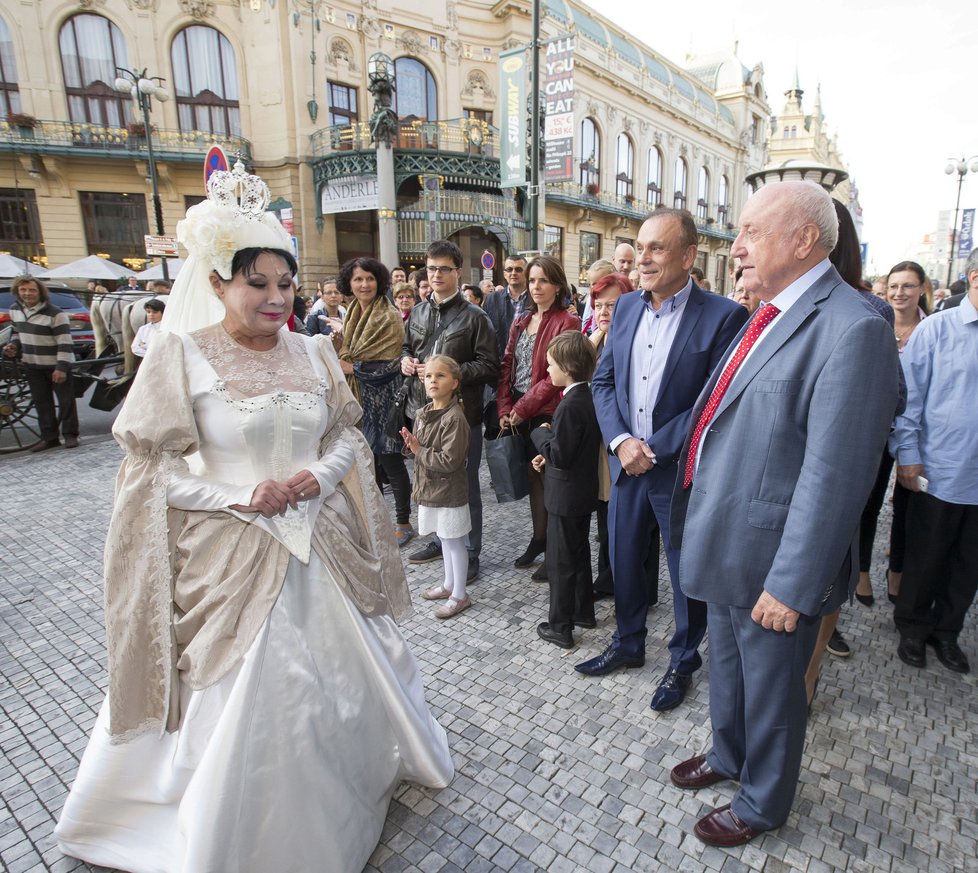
{"type": "Point", "coordinates": [473, 569]}
{"type": "Point", "coordinates": [671, 691]}
{"type": "Point", "coordinates": [44, 445]}
{"type": "Point", "coordinates": [608, 661]}
{"type": "Point", "coordinates": [588, 623]}
{"type": "Point", "coordinates": [601, 594]}
{"type": "Point", "coordinates": [540, 574]}
{"type": "Point", "coordinates": [949, 654]}
{"type": "Point", "coordinates": [430, 552]}
{"type": "Point", "coordinates": [912, 652]}
{"type": "Point", "coordinates": [533, 551]}
{"type": "Point", "coordinates": [865, 599]}
{"type": "Point", "coordinates": [546, 632]}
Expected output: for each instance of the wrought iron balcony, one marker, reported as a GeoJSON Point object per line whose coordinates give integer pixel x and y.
{"type": "Point", "coordinates": [76, 138]}
{"type": "Point", "coordinates": [468, 136]}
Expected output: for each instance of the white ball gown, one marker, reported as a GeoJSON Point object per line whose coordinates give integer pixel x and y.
{"type": "Point", "coordinates": [288, 761]}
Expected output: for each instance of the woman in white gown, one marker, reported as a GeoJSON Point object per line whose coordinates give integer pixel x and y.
{"type": "Point", "coordinates": [262, 704]}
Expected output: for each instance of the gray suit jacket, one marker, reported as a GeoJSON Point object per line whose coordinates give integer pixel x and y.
{"type": "Point", "coordinates": [789, 458]}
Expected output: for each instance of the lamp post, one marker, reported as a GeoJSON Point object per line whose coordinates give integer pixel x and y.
{"type": "Point", "coordinates": [383, 129]}
{"type": "Point", "coordinates": [960, 167]}
{"type": "Point", "coordinates": [141, 88]}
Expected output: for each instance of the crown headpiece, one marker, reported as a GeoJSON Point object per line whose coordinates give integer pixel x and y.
{"type": "Point", "coordinates": [239, 189]}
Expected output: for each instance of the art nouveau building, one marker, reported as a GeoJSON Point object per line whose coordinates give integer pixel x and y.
{"type": "Point", "coordinates": [283, 84]}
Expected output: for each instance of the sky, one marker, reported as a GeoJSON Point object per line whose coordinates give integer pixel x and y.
{"type": "Point", "coordinates": [896, 81]}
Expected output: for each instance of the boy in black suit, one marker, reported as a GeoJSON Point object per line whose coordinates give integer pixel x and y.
{"type": "Point", "coordinates": [569, 458]}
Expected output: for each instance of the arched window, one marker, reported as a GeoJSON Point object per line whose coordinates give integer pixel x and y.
{"type": "Point", "coordinates": [703, 190]}
{"type": "Point", "coordinates": [623, 177]}
{"type": "Point", "coordinates": [794, 131]}
{"type": "Point", "coordinates": [679, 198]}
{"type": "Point", "coordinates": [9, 91]}
{"type": "Point", "coordinates": [590, 153]}
{"type": "Point", "coordinates": [723, 201]}
{"type": "Point", "coordinates": [787, 132]}
{"type": "Point", "coordinates": [653, 194]}
{"type": "Point", "coordinates": [91, 48]}
{"type": "Point", "coordinates": [205, 77]}
{"type": "Point", "coordinates": [415, 96]}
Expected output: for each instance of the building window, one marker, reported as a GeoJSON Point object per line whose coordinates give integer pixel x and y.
{"type": "Point", "coordinates": [794, 131]}
{"type": "Point", "coordinates": [115, 225]}
{"type": "Point", "coordinates": [415, 97]}
{"type": "Point", "coordinates": [590, 248]}
{"type": "Point", "coordinates": [91, 49]}
{"type": "Point", "coordinates": [755, 130]}
{"type": "Point", "coordinates": [479, 114]}
{"type": "Point", "coordinates": [553, 241]}
{"type": "Point", "coordinates": [20, 230]}
{"type": "Point", "coordinates": [702, 261]}
{"type": "Point", "coordinates": [703, 202]}
{"type": "Point", "coordinates": [342, 104]}
{"type": "Point", "coordinates": [9, 90]}
{"type": "Point", "coordinates": [192, 200]}
{"type": "Point", "coordinates": [653, 194]}
{"type": "Point", "coordinates": [590, 156]}
{"type": "Point", "coordinates": [624, 171]}
{"type": "Point", "coordinates": [720, 286]}
{"type": "Point", "coordinates": [205, 75]}
{"type": "Point", "coordinates": [723, 201]}
{"type": "Point", "coordinates": [679, 198]}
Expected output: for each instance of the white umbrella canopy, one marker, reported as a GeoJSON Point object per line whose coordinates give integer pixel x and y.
{"type": "Point", "coordinates": [10, 267]}
{"type": "Point", "coordinates": [173, 266]}
{"type": "Point", "coordinates": [92, 267]}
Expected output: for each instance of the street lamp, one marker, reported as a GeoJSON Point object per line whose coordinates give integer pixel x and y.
{"type": "Point", "coordinates": [142, 88]}
{"type": "Point", "coordinates": [961, 168]}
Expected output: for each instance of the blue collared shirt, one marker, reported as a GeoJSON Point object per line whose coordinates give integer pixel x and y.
{"type": "Point", "coordinates": [653, 341]}
{"type": "Point", "coordinates": [939, 427]}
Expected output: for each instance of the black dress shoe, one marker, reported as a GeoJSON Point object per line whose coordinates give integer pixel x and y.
{"type": "Point", "coordinates": [865, 599]}
{"type": "Point", "coordinates": [44, 445]}
{"type": "Point", "coordinates": [671, 691]}
{"type": "Point", "coordinates": [695, 773]}
{"type": "Point", "coordinates": [533, 551]}
{"type": "Point", "coordinates": [949, 654]}
{"type": "Point", "coordinates": [546, 632]}
{"type": "Point", "coordinates": [601, 594]}
{"type": "Point", "coordinates": [911, 652]}
{"type": "Point", "coordinates": [724, 828]}
{"type": "Point", "coordinates": [473, 570]}
{"type": "Point", "coordinates": [608, 661]}
{"type": "Point", "coordinates": [540, 574]}
{"type": "Point", "coordinates": [588, 623]}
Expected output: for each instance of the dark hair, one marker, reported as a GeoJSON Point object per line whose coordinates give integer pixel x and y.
{"type": "Point", "coordinates": [476, 291]}
{"type": "Point", "coordinates": [515, 257]}
{"type": "Point", "coordinates": [617, 280]}
{"type": "Point", "coordinates": [913, 267]}
{"type": "Point", "coordinates": [846, 256]}
{"type": "Point", "coordinates": [553, 271]}
{"type": "Point", "coordinates": [687, 226]}
{"type": "Point", "coordinates": [958, 286]}
{"type": "Point", "coordinates": [328, 280]}
{"type": "Point", "coordinates": [162, 283]}
{"type": "Point", "coordinates": [155, 305]}
{"type": "Point", "coordinates": [442, 248]}
{"type": "Point", "coordinates": [244, 259]}
{"type": "Point", "coordinates": [45, 295]}
{"type": "Point", "coordinates": [574, 354]}
{"type": "Point", "coordinates": [417, 277]}
{"type": "Point", "coordinates": [697, 274]}
{"type": "Point", "coordinates": [370, 265]}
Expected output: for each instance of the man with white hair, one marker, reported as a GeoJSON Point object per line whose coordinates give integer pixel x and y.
{"type": "Point", "coordinates": [782, 452]}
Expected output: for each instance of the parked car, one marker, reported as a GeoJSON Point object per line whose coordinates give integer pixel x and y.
{"type": "Point", "coordinates": [64, 298]}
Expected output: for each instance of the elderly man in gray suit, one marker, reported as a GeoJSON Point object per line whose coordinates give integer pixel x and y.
{"type": "Point", "coordinates": [783, 449]}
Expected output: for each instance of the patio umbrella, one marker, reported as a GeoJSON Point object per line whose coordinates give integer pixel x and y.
{"type": "Point", "coordinates": [92, 267]}
{"type": "Point", "coordinates": [11, 267]}
{"type": "Point", "coordinates": [173, 266]}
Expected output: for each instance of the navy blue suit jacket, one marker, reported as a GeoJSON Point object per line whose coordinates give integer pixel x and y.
{"type": "Point", "coordinates": [709, 323]}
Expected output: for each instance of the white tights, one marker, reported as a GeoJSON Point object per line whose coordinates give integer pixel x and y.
{"type": "Point", "coordinates": [456, 558]}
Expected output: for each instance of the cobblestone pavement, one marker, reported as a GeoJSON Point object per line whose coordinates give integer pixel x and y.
{"type": "Point", "coordinates": [555, 771]}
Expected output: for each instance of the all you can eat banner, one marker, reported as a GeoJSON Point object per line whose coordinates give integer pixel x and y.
{"type": "Point", "coordinates": [558, 90]}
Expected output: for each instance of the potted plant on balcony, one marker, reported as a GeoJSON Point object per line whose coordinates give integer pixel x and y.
{"type": "Point", "coordinates": [24, 123]}
{"type": "Point", "coordinates": [593, 188]}
{"type": "Point", "coordinates": [138, 130]}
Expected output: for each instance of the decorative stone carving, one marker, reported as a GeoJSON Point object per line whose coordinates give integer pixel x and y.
{"type": "Point", "coordinates": [626, 124]}
{"type": "Point", "coordinates": [657, 137]}
{"type": "Point", "coordinates": [512, 43]}
{"type": "Point", "coordinates": [452, 15]}
{"type": "Point", "coordinates": [370, 27]}
{"type": "Point", "coordinates": [340, 51]}
{"type": "Point", "coordinates": [644, 127]}
{"type": "Point", "coordinates": [611, 112]}
{"type": "Point", "coordinates": [593, 108]}
{"type": "Point", "coordinates": [90, 4]}
{"type": "Point", "coordinates": [145, 5]}
{"type": "Point", "coordinates": [477, 86]}
{"type": "Point", "coordinates": [412, 43]}
{"type": "Point", "coordinates": [453, 48]}
{"type": "Point", "coordinates": [197, 9]}
{"type": "Point", "coordinates": [684, 150]}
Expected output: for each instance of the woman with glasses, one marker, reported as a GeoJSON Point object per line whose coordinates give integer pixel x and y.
{"type": "Point", "coordinates": [526, 396]}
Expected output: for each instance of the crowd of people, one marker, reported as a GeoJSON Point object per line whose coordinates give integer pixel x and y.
{"type": "Point", "coordinates": [751, 437]}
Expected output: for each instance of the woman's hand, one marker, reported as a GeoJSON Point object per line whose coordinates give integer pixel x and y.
{"type": "Point", "coordinates": [410, 440]}
{"type": "Point", "coordinates": [270, 498]}
{"type": "Point", "coordinates": [303, 486]}
{"type": "Point", "coordinates": [346, 367]}
{"type": "Point", "coordinates": [514, 419]}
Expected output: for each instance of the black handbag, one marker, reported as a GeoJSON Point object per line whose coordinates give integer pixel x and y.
{"type": "Point", "coordinates": [396, 417]}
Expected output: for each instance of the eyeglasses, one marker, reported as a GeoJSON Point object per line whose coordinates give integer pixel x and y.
{"type": "Point", "coordinates": [441, 271]}
{"type": "Point", "coordinates": [512, 269]}
{"type": "Point", "coordinates": [907, 287]}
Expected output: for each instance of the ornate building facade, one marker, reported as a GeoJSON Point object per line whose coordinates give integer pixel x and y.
{"type": "Point", "coordinates": [284, 85]}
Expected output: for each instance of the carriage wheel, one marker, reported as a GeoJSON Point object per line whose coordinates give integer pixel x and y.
{"type": "Point", "coordinates": [19, 428]}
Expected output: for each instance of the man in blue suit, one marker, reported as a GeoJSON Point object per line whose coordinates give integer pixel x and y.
{"type": "Point", "coordinates": [662, 347]}
{"type": "Point", "coordinates": [782, 455]}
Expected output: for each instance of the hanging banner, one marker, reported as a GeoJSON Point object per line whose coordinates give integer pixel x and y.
{"type": "Point", "coordinates": [558, 90]}
{"type": "Point", "coordinates": [966, 239]}
{"type": "Point", "coordinates": [512, 113]}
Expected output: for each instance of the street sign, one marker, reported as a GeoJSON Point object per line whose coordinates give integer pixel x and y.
{"type": "Point", "coordinates": [215, 160]}
{"type": "Point", "coordinates": [488, 261]}
{"type": "Point", "coordinates": [161, 246]}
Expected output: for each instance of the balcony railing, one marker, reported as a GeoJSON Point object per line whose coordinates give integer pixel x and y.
{"type": "Point", "coordinates": [462, 135]}
{"type": "Point", "coordinates": [62, 137]}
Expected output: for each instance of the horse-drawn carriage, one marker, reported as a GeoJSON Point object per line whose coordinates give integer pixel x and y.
{"type": "Point", "coordinates": [103, 357]}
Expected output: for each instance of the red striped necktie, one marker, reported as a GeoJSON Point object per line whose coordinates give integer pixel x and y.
{"type": "Point", "coordinates": [762, 318]}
